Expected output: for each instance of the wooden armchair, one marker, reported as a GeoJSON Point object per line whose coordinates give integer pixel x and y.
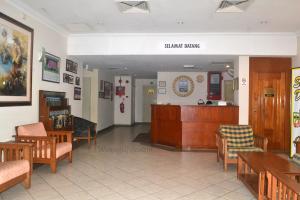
{"type": "Point", "coordinates": [49, 147]}
{"type": "Point", "coordinates": [15, 165]}
{"type": "Point", "coordinates": [232, 139]}
{"type": "Point", "coordinates": [280, 186]}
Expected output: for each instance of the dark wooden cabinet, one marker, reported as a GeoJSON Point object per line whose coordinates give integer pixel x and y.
{"type": "Point", "coordinates": [214, 86]}
{"type": "Point", "coordinates": [54, 110]}
{"type": "Point", "coordinates": [190, 127]}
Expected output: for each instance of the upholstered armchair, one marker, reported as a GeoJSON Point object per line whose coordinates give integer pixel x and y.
{"type": "Point", "coordinates": [232, 139]}
{"type": "Point", "coordinates": [15, 165]}
{"type": "Point", "coordinates": [84, 130]}
{"type": "Point", "coordinates": [49, 146]}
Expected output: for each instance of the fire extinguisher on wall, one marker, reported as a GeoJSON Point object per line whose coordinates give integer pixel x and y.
{"type": "Point", "coordinates": [122, 107]}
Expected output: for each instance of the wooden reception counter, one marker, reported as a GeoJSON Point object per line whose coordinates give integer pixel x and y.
{"type": "Point", "coordinates": [190, 127]}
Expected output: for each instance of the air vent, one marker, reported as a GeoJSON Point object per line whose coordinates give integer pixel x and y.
{"type": "Point", "coordinates": [133, 6]}
{"type": "Point", "coordinates": [234, 5]}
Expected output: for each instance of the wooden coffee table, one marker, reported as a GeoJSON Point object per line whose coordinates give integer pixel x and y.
{"type": "Point", "coordinates": [252, 167]}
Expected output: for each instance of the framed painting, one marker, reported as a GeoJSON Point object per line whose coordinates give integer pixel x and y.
{"type": "Point", "coordinates": [16, 49]}
{"type": "Point", "coordinates": [67, 78]}
{"type": "Point", "coordinates": [107, 90]}
{"type": "Point", "coordinates": [69, 64]}
{"type": "Point", "coordinates": [77, 93]}
{"type": "Point", "coordinates": [77, 81]}
{"type": "Point", "coordinates": [51, 68]}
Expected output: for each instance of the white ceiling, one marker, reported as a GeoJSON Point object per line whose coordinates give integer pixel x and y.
{"type": "Point", "coordinates": [147, 66]}
{"type": "Point", "coordinates": [197, 16]}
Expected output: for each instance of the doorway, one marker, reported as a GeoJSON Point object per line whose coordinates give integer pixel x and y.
{"type": "Point", "coordinates": [228, 91]}
{"type": "Point", "coordinates": [269, 110]}
{"type": "Point", "coordinates": [149, 97]}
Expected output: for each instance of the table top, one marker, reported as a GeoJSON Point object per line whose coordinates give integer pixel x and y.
{"type": "Point", "coordinates": [259, 161]}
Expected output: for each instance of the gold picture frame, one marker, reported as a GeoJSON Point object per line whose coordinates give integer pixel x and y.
{"type": "Point", "coordinates": [183, 86]}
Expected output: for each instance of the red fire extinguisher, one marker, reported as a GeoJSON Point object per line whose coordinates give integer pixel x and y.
{"type": "Point", "coordinates": [122, 107]}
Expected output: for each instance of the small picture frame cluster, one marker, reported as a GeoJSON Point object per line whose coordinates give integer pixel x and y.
{"type": "Point", "coordinates": [162, 87]}
{"type": "Point", "coordinates": [77, 93]}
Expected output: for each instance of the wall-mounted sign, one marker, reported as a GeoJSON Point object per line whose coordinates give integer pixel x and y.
{"type": "Point", "coordinates": [269, 92]}
{"type": "Point", "coordinates": [182, 46]}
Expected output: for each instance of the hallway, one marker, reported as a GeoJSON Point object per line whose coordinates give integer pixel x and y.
{"type": "Point", "coordinates": [119, 169]}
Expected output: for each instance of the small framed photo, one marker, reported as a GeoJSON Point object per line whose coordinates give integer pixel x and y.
{"type": "Point", "coordinates": [162, 91]}
{"type": "Point", "coordinates": [162, 83]}
{"type": "Point", "coordinates": [77, 81]}
{"type": "Point", "coordinates": [107, 90]}
{"type": "Point", "coordinates": [50, 69]}
{"type": "Point", "coordinates": [71, 66]}
{"type": "Point", "coordinates": [101, 86]}
{"type": "Point", "coordinates": [77, 93]}
{"type": "Point", "coordinates": [67, 78]}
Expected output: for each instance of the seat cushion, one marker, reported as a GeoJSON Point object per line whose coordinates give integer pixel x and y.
{"type": "Point", "coordinates": [12, 169]}
{"type": "Point", "coordinates": [296, 158]}
{"type": "Point", "coordinates": [238, 135]}
{"type": "Point", "coordinates": [36, 129]}
{"type": "Point", "coordinates": [232, 151]}
{"type": "Point", "coordinates": [61, 149]}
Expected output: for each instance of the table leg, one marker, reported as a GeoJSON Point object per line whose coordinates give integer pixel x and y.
{"type": "Point", "coordinates": [261, 186]}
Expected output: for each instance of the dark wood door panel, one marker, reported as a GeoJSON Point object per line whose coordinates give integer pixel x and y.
{"type": "Point", "coordinates": [269, 106]}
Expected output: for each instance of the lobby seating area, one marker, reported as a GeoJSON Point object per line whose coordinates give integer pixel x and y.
{"type": "Point", "coordinates": [118, 169]}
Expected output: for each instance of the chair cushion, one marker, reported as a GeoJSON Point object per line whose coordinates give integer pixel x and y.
{"type": "Point", "coordinates": [238, 135]}
{"type": "Point", "coordinates": [232, 151]}
{"type": "Point", "coordinates": [61, 149]}
{"type": "Point", "coordinates": [12, 169]}
{"type": "Point", "coordinates": [296, 158]}
{"type": "Point", "coordinates": [36, 129]}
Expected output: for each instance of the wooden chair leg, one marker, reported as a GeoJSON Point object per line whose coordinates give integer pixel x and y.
{"type": "Point", "coordinates": [53, 166]}
{"type": "Point", "coordinates": [27, 181]}
{"type": "Point", "coordinates": [225, 165]}
{"type": "Point", "coordinates": [70, 157]}
{"type": "Point", "coordinates": [218, 156]}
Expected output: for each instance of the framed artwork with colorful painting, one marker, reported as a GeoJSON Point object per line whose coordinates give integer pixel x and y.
{"type": "Point", "coordinates": [16, 48]}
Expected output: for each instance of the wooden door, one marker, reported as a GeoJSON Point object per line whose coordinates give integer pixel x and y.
{"type": "Point", "coordinates": [269, 110]}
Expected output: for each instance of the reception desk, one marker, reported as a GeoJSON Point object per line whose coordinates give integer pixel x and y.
{"type": "Point", "coordinates": [189, 127]}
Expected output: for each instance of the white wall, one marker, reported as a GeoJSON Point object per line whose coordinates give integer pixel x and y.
{"type": "Point", "coordinates": [241, 97]}
{"type": "Point", "coordinates": [296, 59]}
{"type": "Point", "coordinates": [105, 106]}
{"type": "Point", "coordinates": [200, 90]}
{"type": "Point", "coordinates": [54, 43]}
{"type": "Point", "coordinates": [139, 84]}
{"type": "Point", "coordinates": [266, 44]}
{"type": "Point", "coordinates": [94, 93]}
{"type": "Point", "coordinates": [123, 118]}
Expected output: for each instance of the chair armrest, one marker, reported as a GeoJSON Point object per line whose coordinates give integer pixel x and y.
{"type": "Point", "coordinates": [41, 144]}
{"type": "Point", "coordinates": [61, 136]}
{"type": "Point", "coordinates": [16, 151]}
{"type": "Point", "coordinates": [261, 142]}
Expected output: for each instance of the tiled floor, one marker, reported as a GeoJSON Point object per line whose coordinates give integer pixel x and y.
{"type": "Point", "coordinates": [118, 169]}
